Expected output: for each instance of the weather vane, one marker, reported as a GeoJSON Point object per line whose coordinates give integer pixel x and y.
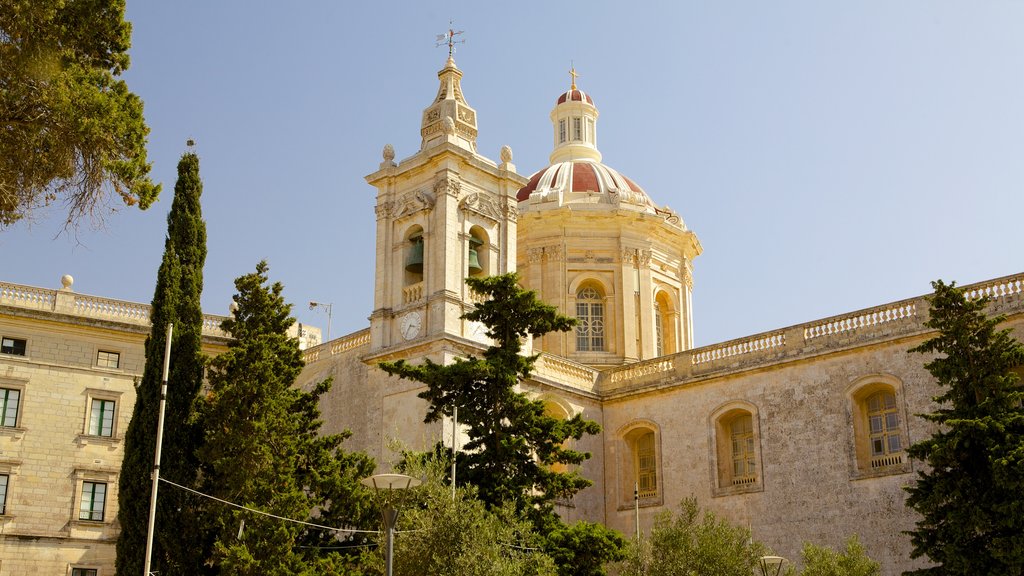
{"type": "Point", "coordinates": [449, 39]}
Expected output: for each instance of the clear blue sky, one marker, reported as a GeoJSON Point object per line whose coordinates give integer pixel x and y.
{"type": "Point", "coordinates": [830, 156]}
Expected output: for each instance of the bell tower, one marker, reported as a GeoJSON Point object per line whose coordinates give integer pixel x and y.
{"type": "Point", "coordinates": [443, 213]}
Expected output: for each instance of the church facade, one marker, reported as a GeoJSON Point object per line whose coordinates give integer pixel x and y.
{"type": "Point", "coordinates": [798, 433]}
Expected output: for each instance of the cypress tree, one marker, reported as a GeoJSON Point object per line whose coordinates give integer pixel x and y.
{"type": "Point", "coordinates": [969, 497]}
{"type": "Point", "coordinates": [176, 300]}
{"type": "Point", "coordinates": [263, 449]}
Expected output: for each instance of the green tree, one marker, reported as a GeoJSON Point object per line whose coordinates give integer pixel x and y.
{"type": "Point", "coordinates": [442, 536]}
{"type": "Point", "coordinates": [176, 301]}
{"type": "Point", "coordinates": [69, 128]}
{"type": "Point", "coordinates": [690, 544]}
{"type": "Point", "coordinates": [514, 448]}
{"type": "Point", "coordinates": [263, 448]}
{"type": "Point", "coordinates": [824, 561]}
{"type": "Point", "coordinates": [969, 497]}
{"type": "Point", "coordinates": [512, 443]}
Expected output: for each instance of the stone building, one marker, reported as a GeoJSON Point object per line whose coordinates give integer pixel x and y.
{"type": "Point", "coordinates": [798, 433]}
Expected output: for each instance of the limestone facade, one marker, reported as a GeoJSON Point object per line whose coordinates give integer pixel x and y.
{"type": "Point", "coordinates": [67, 373]}
{"type": "Point", "coordinates": [798, 433]}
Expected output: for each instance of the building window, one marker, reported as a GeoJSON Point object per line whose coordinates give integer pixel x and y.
{"type": "Point", "coordinates": [561, 131]}
{"type": "Point", "coordinates": [577, 129]}
{"type": "Point", "coordinates": [664, 325]}
{"type": "Point", "coordinates": [640, 465]}
{"type": "Point", "coordinates": [94, 496]}
{"type": "Point", "coordinates": [884, 430]}
{"type": "Point", "coordinates": [106, 359]}
{"type": "Point", "coordinates": [590, 318]}
{"type": "Point", "coordinates": [9, 400]}
{"type": "Point", "coordinates": [659, 336]}
{"type": "Point", "coordinates": [877, 418]}
{"type": "Point", "coordinates": [4, 478]}
{"type": "Point", "coordinates": [101, 417]}
{"type": "Point", "coordinates": [84, 572]}
{"type": "Point", "coordinates": [736, 444]}
{"type": "Point", "coordinates": [741, 433]}
{"type": "Point", "coordinates": [13, 346]}
{"type": "Point", "coordinates": [646, 466]}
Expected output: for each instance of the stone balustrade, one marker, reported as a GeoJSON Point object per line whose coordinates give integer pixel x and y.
{"type": "Point", "coordinates": [558, 369]}
{"type": "Point", "coordinates": [26, 296]}
{"type": "Point", "coordinates": [337, 346]}
{"type": "Point", "coordinates": [90, 307]}
{"type": "Point", "coordinates": [412, 293]}
{"type": "Point", "coordinates": [820, 336]}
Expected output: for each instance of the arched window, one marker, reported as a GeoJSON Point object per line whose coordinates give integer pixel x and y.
{"type": "Point", "coordinates": [645, 465]}
{"type": "Point", "coordinates": [413, 264]}
{"type": "Point", "coordinates": [558, 411]}
{"type": "Point", "coordinates": [737, 448]}
{"type": "Point", "coordinates": [883, 429]}
{"type": "Point", "coordinates": [478, 258]}
{"type": "Point", "coordinates": [640, 464]}
{"type": "Point", "coordinates": [741, 435]}
{"type": "Point", "coordinates": [879, 438]}
{"type": "Point", "coordinates": [664, 325]}
{"type": "Point", "coordinates": [590, 317]}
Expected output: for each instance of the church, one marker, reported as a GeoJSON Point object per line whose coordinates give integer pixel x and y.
{"type": "Point", "coordinates": [798, 433]}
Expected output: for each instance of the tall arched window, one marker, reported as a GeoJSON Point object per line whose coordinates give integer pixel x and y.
{"type": "Point", "coordinates": [645, 465]}
{"type": "Point", "coordinates": [741, 435]}
{"type": "Point", "coordinates": [879, 439]}
{"type": "Point", "coordinates": [883, 428]}
{"type": "Point", "coordinates": [478, 258]}
{"type": "Point", "coordinates": [664, 329]}
{"type": "Point", "coordinates": [737, 446]}
{"type": "Point", "coordinates": [590, 317]}
{"type": "Point", "coordinates": [639, 465]}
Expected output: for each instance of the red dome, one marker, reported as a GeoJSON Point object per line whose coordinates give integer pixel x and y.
{"type": "Point", "coordinates": [576, 96]}
{"type": "Point", "coordinates": [583, 176]}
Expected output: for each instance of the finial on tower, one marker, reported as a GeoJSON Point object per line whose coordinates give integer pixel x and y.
{"type": "Point", "coordinates": [449, 39]}
{"type": "Point", "coordinates": [573, 74]}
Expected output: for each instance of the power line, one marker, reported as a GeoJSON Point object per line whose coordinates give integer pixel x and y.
{"type": "Point", "coordinates": [254, 511]}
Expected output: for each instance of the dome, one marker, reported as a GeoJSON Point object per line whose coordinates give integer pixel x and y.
{"type": "Point", "coordinates": [575, 95]}
{"type": "Point", "coordinates": [584, 181]}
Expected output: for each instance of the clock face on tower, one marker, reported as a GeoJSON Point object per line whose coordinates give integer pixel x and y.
{"type": "Point", "coordinates": [409, 325]}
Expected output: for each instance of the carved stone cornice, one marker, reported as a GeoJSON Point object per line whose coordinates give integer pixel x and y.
{"type": "Point", "coordinates": [636, 256]}
{"type": "Point", "coordinates": [449, 186]}
{"type": "Point", "coordinates": [512, 210]}
{"type": "Point", "coordinates": [412, 202]}
{"type": "Point", "coordinates": [482, 205]}
{"type": "Point", "coordinates": [554, 253]}
{"type": "Point", "coordinates": [383, 210]}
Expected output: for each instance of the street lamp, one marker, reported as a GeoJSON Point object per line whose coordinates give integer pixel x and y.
{"type": "Point", "coordinates": [387, 484]}
{"type": "Point", "coordinates": [771, 565]}
{"type": "Point", "coordinates": [329, 308]}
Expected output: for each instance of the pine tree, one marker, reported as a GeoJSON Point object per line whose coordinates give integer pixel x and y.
{"type": "Point", "coordinates": [176, 300]}
{"type": "Point", "coordinates": [969, 498]}
{"type": "Point", "coordinates": [514, 446]}
{"type": "Point", "coordinates": [263, 449]}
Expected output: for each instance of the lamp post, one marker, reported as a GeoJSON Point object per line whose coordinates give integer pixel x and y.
{"type": "Point", "coordinates": [329, 308]}
{"type": "Point", "coordinates": [387, 484]}
{"type": "Point", "coordinates": [771, 565]}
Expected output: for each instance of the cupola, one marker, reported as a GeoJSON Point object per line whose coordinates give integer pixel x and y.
{"type": "Point", "coordinates": [449, 118]}
{"type": "Point", "coordinates": [574, 120]}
